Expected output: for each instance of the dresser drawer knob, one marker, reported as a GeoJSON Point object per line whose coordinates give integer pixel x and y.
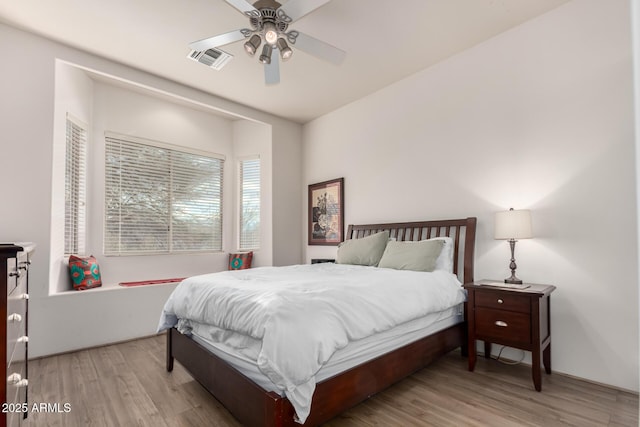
{"type": "Point", "coordinates": [15, 317]}
{"type": "Point", "coordinates": [500, 301]}
{"type": "Point", "coordinates": [22, 383]}
{"type": "Point", "coordinates": [501, 323]}
{"type": "Point", "coordinates": [24, 296]}
{"type": "Point", "coordinates": [23, 338]}
{"type": "Point", "coordinates": [14, 378]}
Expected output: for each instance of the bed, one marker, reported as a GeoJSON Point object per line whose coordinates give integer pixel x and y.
{"type": "Point", "coordinates": [253, 404]}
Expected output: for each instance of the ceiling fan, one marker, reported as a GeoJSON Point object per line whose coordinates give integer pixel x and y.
{"type": "Point", "coordinates": [269, 22]}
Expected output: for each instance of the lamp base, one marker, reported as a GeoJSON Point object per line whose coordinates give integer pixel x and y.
{"type": "Point", "coordinates": [513, 279]}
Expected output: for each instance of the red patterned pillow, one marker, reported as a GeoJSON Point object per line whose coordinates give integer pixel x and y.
{"type": "Point", "coordinates": [84, 272]}
{"type": "Point", "coordinates": [240, 261]}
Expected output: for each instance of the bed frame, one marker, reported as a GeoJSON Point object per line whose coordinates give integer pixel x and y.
{"type": "Point", "coordinates": [253, 406]}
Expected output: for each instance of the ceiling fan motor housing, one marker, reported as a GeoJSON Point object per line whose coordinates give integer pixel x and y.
{"type": "Point", "coordinates": [269, 15]}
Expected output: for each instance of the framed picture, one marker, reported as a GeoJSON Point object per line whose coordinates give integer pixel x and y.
{"type": "Point", "coordinates": [326, 212]}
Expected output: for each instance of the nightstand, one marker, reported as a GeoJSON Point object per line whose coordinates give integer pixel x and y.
{"type": "Point", "coordinates": [518, 318]}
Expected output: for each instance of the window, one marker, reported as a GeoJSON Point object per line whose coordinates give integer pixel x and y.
{"type": "Point", "coordinates": [249, 204]}
{"type": "Point", "coordinates": [74, 187]}
{"type": "Point", "coordinates": [159, 199]}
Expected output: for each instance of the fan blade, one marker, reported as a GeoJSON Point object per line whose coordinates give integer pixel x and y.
{"type": "Point", "coordinates": [272, 71]}
{"type": "Point", "coordinates": [215, 41]}
{"type": "Point", "coordinates": [244, 7]}
{"type": "Point", "coordinates": [296, 9]}
{"type": "Point", "coordinates": [319, 49]}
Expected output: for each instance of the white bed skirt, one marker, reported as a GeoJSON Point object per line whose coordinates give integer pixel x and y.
{"type": "Point", "coordinates": [354, 354]}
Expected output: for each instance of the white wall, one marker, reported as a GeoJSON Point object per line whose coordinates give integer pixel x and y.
{"type": "Point", "coordinates": [67, 321]}
{"type": "Point", "coordinates": [539, 117]}
{"type": "Point", "coordinates": [635, 20]}
{"type": "Point", "coordinates": [287, 186]}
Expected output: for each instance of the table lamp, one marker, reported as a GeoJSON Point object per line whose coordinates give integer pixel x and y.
{"type": "Point", "coordinates": [512, 225]}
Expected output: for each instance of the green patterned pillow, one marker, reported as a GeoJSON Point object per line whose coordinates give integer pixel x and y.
{"type": "Point", "coordinates": [84, 272]}
{"type": "Point", "coordinates": [240, 261]}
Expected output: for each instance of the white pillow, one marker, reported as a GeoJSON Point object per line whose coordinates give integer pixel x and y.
{"type": "Point", "coordinates": [445, 260]}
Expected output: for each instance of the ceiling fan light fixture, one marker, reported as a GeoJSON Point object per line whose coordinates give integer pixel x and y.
{"type": "Point", "coordinates": [265, 58]}
{"type": "Point", "coordinates": [252, 45]}
{"type": "Point", "coordinates": [270, 33]}
{"type": "Point", "coordinates": [285, 50]}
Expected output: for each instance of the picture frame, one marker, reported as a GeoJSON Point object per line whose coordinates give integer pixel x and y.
{"type": "Point", "coordinates": [326, 212]}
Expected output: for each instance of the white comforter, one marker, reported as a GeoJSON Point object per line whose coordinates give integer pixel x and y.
{"type": "Point", "coordinates": [304, 313]}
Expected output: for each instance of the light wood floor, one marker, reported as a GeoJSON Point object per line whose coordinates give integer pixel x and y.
{"type": "Point", "coordinates": [127, 385]}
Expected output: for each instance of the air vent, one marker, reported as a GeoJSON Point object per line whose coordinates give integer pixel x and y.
{"type": "Point", "coordinates": [213, 58]}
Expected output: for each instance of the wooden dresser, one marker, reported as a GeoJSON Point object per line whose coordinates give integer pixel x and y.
{"type": "Point", "coordinates": [14, 281]}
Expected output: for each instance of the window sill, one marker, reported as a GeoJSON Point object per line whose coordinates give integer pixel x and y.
{"type": "Point", "coordinates": [110, 288]}
{"type": "Point", "coordinates": [151, 282]}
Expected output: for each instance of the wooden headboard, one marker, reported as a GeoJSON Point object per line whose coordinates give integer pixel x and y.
{"type": "Point", "coordinates": [461, 231]}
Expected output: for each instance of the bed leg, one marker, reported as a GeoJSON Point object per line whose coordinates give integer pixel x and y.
{"type": "Point", "coordinates": [169, 350]}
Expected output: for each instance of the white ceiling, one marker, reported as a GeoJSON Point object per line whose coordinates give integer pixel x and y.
{"type": "Point", "coordinates": [385, 41]}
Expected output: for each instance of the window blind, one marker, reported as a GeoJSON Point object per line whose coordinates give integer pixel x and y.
{"type": "Point", "coordinates": [160, 199]}
{"type": "Point", "coordinates": [249, 204]}
{"type": "Point", "coordinates": [75, 187]}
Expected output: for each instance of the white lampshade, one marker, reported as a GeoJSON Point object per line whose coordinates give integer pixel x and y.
{"type": "Point", "coordinates": [513, 224]}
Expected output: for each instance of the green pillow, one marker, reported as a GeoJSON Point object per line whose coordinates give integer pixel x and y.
{"type": "Point", "coordinates": [364, 251]}
{"type": "Point", "coordinates": [416, 256]}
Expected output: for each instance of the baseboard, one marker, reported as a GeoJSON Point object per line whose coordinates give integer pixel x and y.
{"type": "Point", "coordinates": [97, 346]}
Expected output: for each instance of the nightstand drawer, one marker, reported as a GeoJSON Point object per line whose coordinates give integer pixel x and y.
{"type": "Point", "coordinates": [503, 301]}
{"type": "Point", "coordinates": [503, 327]}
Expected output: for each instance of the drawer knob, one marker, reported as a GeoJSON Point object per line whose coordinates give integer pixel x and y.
{"type": "Point", "coordinates": [23, 338]}
{"type": "Point", "coordinates": [22, 383]}
{"type": "Point", "coordinates": [24, 296]}
{"type": "Point", "coordinates": [14, 378]}
{"type": "Point", "coordinates": [15, 317]}
{"type": "Point", "coordinates": [500, 301]}
{"type": "Point", "coordinates": [501, 323]}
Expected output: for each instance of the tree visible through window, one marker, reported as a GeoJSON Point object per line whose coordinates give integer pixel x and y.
{"type": "Point", "coordinates": [160, 199]}
{"type": "Point", "coordinates": [249, 204]}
